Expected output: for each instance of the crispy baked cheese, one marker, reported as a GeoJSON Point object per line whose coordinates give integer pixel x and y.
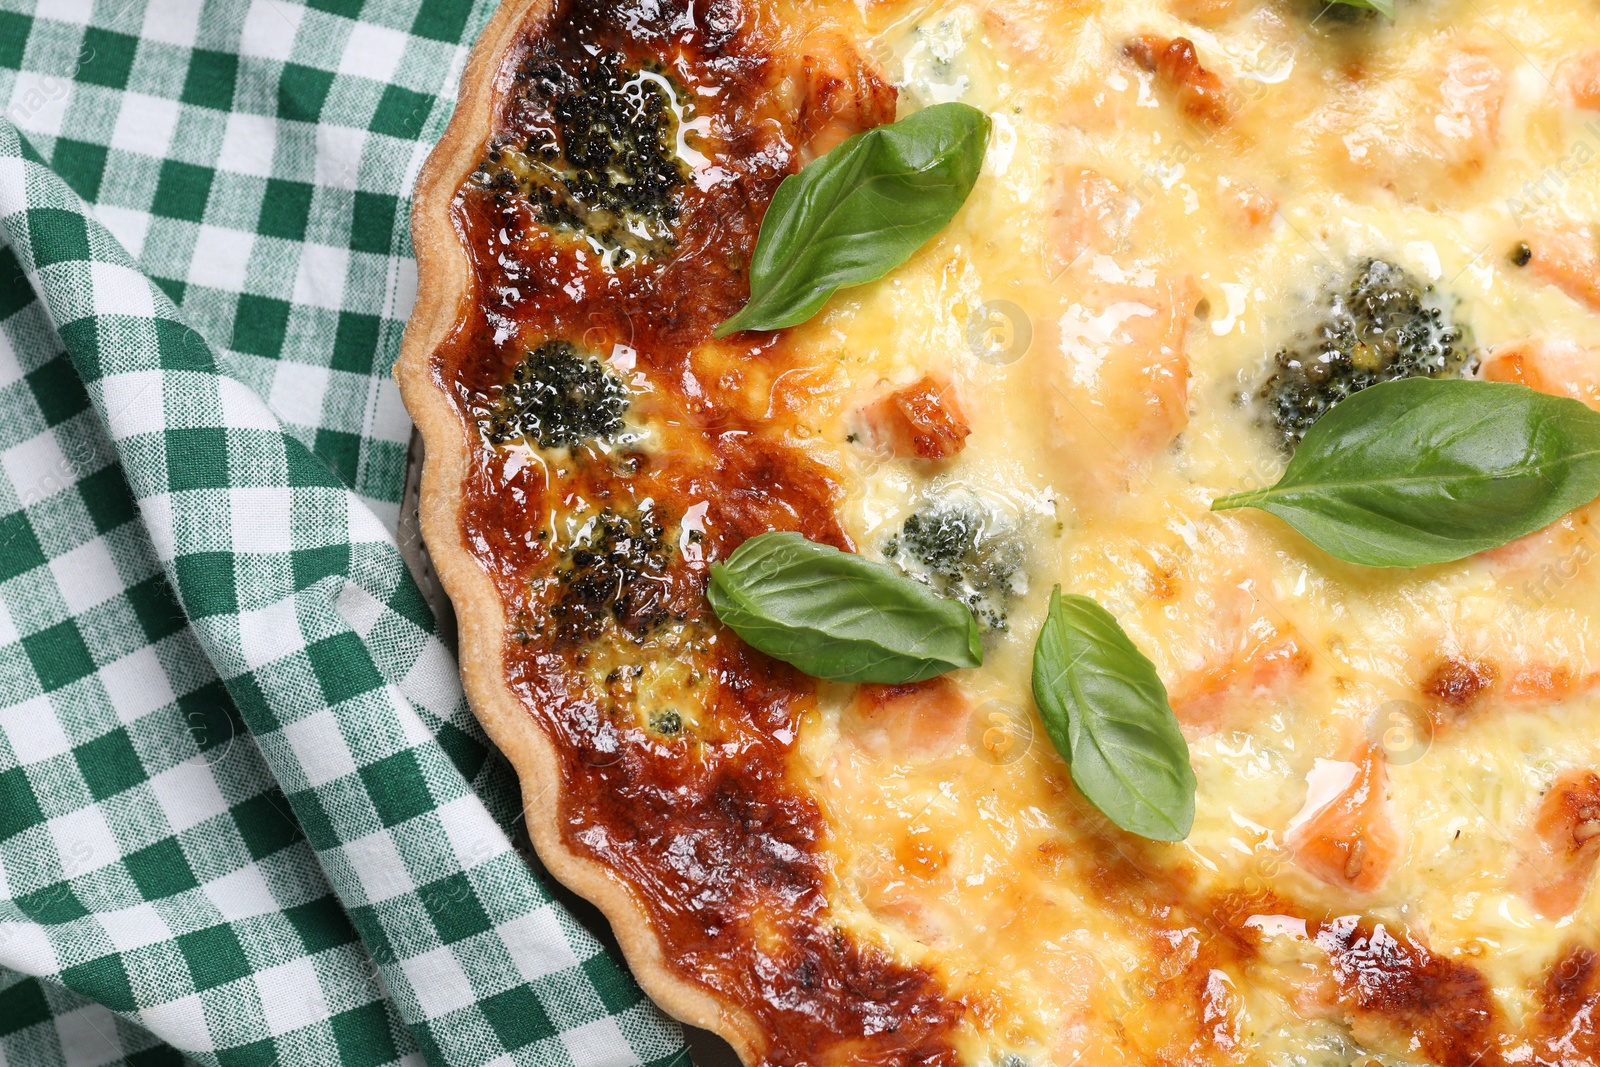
{"type": "Point", "coordinates": [1399, 770]}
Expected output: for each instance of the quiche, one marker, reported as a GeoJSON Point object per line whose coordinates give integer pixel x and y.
{"type": "Point", "coordinates": [1203, 231]}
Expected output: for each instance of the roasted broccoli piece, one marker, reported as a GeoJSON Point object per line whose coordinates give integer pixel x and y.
{"type": "Point", "coordinates": [1335, 16]}
{"type": "Point", "coordinates": [601, 161]}
{"type": "Point", "coordinates": [556, 398]}
{"type": "Point", "coordinates": [1377, 325]}
{"type": "Point", "coordinates": [1343, 11]}
{"type": "Point", "coordinates": [616, 569]}
{"type": "Point", "coordinates": [961, 550]}
{"type": "Point", "coordinates": [667, 722]}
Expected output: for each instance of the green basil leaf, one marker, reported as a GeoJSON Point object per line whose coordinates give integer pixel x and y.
{"type": "Point", "coordinates": [838, 616]}
{"type": "Point", "coordinates": [1426, 471]}
{"type": "Point", "coordinates": [1106, 710]}
{"type": "Point", "coordinates": [860, 211]}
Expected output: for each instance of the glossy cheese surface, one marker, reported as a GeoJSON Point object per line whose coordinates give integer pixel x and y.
{"type": "Point", "coordinates": [1372, 747]}
{"type": "Point", "coordinates": [1399, 771]}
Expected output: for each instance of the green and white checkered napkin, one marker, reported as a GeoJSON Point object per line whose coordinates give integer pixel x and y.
{"type": "Point", "coordinates": [270, 832]}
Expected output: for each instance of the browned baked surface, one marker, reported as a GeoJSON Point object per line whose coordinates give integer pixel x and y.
{"type": "Point", "coordinates": [701, 852]}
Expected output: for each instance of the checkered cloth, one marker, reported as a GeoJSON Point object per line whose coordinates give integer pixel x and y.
{"type": "Point", "coordinates": [245, 814]}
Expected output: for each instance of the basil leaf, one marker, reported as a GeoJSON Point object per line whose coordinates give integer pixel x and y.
{"type": "Point", "coordinates": [859, 211]}
{"type": "Point", "coordinates": [1426, 471]}
{"type": "Point", "coordinates": [839, 616]}
{"type": "Point", "coordinates": [1106, 710]}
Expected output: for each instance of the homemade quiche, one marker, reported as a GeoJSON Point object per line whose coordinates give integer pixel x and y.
{"type": "Point", "coordinates": [1099, 265]}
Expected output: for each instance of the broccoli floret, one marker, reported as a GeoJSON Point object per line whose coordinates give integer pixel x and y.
{"type": "Point", "coordinates": [557, 399]}
{"type": "Point", "coordinates": [1379, 325]}
{"type": "Point", "coordinates": [616, 569]}
{"type": "Point", "coordinates": [1342, 11]}
{"type": "Point", "coordinates": [961, 551]}
{"type": "Point", "coordinates": [601, 161]}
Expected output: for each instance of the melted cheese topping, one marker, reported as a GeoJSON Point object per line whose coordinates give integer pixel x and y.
{"type": "Point", "coordinates": [1372, 744]}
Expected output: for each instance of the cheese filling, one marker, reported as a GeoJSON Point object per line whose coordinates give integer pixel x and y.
{"type": "Point", "coordinates": [1157, 232]}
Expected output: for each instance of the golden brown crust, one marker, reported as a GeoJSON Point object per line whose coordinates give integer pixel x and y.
{"type": "Point", "coordinates": [443, 279]}
{"type": "Point", "coordinates": [693, 836]}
